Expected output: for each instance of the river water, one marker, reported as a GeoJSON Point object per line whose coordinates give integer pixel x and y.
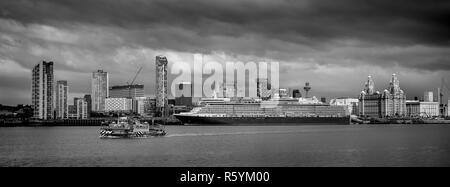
{"type": "Point", "coordinates": [324, 145]}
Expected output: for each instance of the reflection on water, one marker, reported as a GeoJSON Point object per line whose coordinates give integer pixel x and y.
{"type": "Point", "coordinates": [329, 145]}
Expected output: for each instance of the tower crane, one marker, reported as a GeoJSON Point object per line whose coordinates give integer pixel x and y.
{"type": "Point", "coordinates": [132, 82]}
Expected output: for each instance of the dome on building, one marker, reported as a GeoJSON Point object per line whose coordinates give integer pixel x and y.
{"type": "Point", "coordinates": [384, 103]}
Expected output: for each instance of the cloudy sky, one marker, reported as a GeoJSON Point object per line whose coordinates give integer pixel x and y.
{"type": "Point", "coordinates": [332, 44]}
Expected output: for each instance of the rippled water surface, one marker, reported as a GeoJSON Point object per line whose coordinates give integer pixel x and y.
{"type": "Point", "coordinates": [324, 145]}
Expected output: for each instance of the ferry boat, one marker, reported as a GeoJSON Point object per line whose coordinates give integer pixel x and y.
{"type": "Point", "coordinates": [276, 111]}
{"type": "Point", "coordinates": [126, 127]}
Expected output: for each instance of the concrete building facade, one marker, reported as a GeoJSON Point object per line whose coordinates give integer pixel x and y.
{"type": "Point", "coordinates": [428, 96]}
{"type": "Point", "coordinates": [429, 109]}
{"type": "Point", "coordinates": [61, 105]}
{"type": "Point", "coordinates": [118, 105]}
{"type": "Point", "coordinates": [150, 106]}
{"type": "Point", "coordinates": [263, 88]}
{"type": "Point", "coordinates": [126, 91]}
{"type": "Point", "coordinates": [81, 108]}
{"type": "Point", "coordinates": [99, 90]}
{"type": "Point", "coordinates": [139, 105]}
{"type": "Point", "coordinates": [351, 103]}
{"type": "Point", "coordinates": [446, 110]}
{"type": "Point", "coordinates": [422, 109]}
{"type": "Point", "coordinates": [42, 99]}
{"type": "Point", "coordinates": [88, 100]}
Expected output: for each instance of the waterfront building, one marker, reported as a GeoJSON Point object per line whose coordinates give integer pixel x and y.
{"type": "Point", "coordinates": [161, 85]}
{"type": "Point", "coordinates": [390, 103]}
{"type": "Point", "coordinates": [81, 108]}
{"type": "Point", "coordinates": [72, 112]}
{"type": "Point", "coordinates": [88, 100]}
{"type": "Point", "coordinates": [99, 90]}
{"type": "Point", "coordinates": [350, 103]}
{"type": "Point", "coordinates": [150, 106]}
{"type": "Point", "coordinates": [61, 105]}
{"type": "Point", "coordinates": [413, 108]}
{"type": "Point", "coordinates": [264, 90]}
{"type": "Point", "coordinates": [42, 90]}
{"type": "Point", "coordinates": [118, 105]}
{"type": "Point", "coordinates": [183, 94]}
{"type": "Point", "coordinates": [126, 91]}
{"type": "Point", "coordinates": [447, 113]}
{"type": "Point", "coordinates": [283, 92]}
{"type": "Point", "coordinates": [429, 109]}
{"type": "Point", "coordinates": [443, 109]}
{"type": "Point", "coordinates": [296, 93]}
{"type": "Point", "coordinates": [428, 96]}
{"type": "Point", "coordinates": [417, 108]}
{"type": "Point", "coordinates": [139, 105]}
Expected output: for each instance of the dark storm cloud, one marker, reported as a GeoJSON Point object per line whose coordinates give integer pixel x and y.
{"type": "Point", "coordinates": [391, 22]}
{"type": "Point", "coordinates": [314, 37]}
{"type": "Point", "coordinates": [197, 25]}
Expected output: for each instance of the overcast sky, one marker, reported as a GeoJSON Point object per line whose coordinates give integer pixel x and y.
{"type": "Point", "coordinates": [332, 44]}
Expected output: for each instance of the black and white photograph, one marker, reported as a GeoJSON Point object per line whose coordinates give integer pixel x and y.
{"type": "Point", "coordinates": [224, 83]}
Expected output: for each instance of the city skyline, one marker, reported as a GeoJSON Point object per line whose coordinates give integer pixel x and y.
{"type": "Point", "coordinates": [142, 93]}
{"type": "Point", "coordinates": [332, 46]}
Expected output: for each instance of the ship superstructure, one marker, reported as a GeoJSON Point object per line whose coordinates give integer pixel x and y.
{"type": "Point", "coordinates": [254, 111]}
{"type": "Point", "coordinates": [126, 127]}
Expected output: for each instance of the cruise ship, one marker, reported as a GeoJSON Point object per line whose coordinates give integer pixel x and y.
{"type": "Point", "coordinates": [277, 111]}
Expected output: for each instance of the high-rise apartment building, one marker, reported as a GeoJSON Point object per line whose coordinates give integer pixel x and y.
{"type": "Point", "coordinates": [61, 105]}
{"type": "Point", "coordinates": [99, 90]}
{"type": "Point", "coordinates": [42, 90]}
{"type": "Point", "coordinates": [88, 100]}
{"type": "Point", "coordinates": [161, 85]}
{"type": "Point", "coordinates": [81, 108]}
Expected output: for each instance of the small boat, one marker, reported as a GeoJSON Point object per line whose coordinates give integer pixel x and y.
{"type": "Point", "coordinates": [125, 127]}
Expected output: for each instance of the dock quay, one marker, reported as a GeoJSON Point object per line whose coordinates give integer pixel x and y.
{"type": "Point", "coordinates": [373, 120]}
{"type": "Point", "coordinates": [16, 122]}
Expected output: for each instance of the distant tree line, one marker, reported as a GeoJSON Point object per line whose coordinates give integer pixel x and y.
{"type": "Point", "coordinates": [19, 111]}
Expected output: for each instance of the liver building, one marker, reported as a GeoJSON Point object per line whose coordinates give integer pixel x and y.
{"type": "Point", "coordinates": [390, 103]}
